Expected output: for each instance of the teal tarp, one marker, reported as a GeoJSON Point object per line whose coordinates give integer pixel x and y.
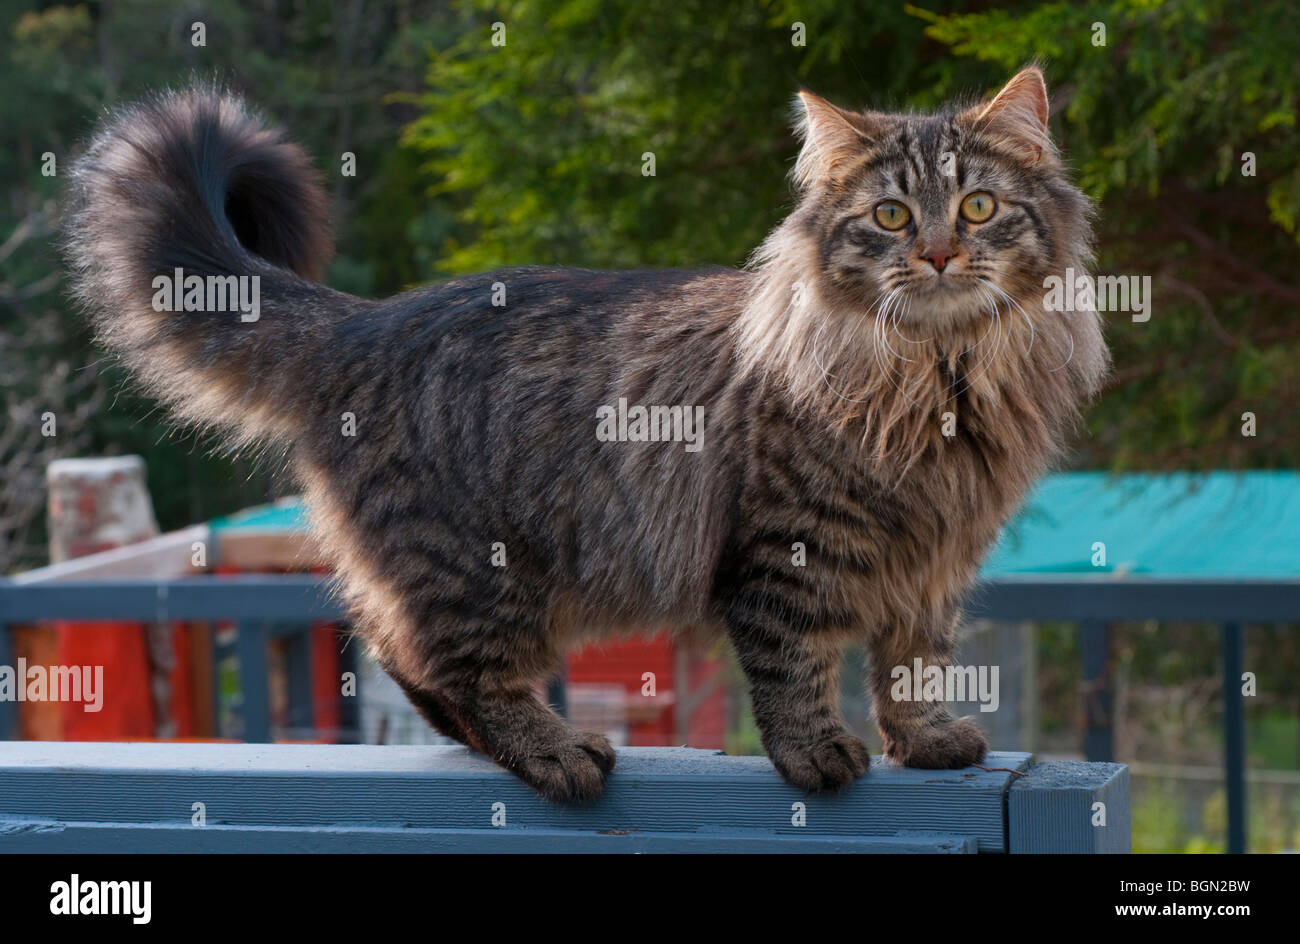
{"type": "Point", "coordinates": [285, 515]}
{"type": "Point", "coordinates": [1219, 524]}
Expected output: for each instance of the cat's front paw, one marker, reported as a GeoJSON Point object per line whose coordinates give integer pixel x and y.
{"type": "Point", "coordinates": [569, 772]}
{"type": "Point", "coordinates": [827, 766]}
{"type": "Point", "coordinates": [947, 745]}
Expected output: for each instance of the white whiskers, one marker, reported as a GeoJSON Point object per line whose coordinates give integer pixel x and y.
{"type": "Point", "coordinates": [891, 312]}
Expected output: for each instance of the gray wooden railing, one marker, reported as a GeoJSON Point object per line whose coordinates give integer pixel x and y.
{"type": "Point", "coordinates": [87, 798]}
{"type": "Point", "coordinates": [264, 607]}
{"type": "Point", "coordinates": [273, 606]}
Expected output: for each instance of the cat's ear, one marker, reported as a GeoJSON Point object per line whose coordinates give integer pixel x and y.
{"type": "Point", "coordinates": [832, 139]}
{"type": "Point", "coordinates": [1017, 117]}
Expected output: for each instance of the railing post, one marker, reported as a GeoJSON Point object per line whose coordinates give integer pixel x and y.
{"type": "Point", "coordinates": [8, 709]}
{"type": "Point", "coordinates": [1234, 736]}
{"type": "Point", "coordinates": [301, 716]}
{"type": "Point", "coordinates": [557, 694]}
{"type": "Point", "coordinates": [349, 705]}
{"type": "Point", "coordinates": [218, 652]}
{"type": "Point", "coordinates": [1099, 734]}
{"type": "Point", "coordinates": [254, 682]}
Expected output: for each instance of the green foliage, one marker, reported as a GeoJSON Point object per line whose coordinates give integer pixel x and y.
{"type": "Point", "coordinates": [325, 71]}
{"type": "Point", "coordinates": [532, 152]}
{"type": "Point", "coordinates": [1157, 817]}
{"type": "Point", "coordinates": [544, 138]}
{"type": "Point", "coordinates": [1159, 122]}
{"type": "Point", "coordinates": [540, 142]}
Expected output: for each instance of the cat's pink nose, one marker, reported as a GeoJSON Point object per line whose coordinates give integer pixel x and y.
{"type": "Point", "coordinates": [937, 258]}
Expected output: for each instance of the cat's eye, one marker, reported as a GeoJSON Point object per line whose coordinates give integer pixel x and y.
{"type": "Point", "coordinates": [892, 215]}
{"type": "Point", "coordinates": [978, 207]}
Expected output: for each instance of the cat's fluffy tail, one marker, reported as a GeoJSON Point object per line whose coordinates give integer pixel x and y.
{"type": "Point", "coordinates": [193, 235]}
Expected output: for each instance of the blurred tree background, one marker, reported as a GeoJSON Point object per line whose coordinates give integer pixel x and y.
{"type": "Point", "coordinates": [1179, 116]}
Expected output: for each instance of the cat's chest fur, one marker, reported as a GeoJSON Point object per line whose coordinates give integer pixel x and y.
{"type": "Point", "coordinates": [882, 542]}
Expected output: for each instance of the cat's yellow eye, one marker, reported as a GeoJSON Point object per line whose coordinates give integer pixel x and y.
{"type": "Point", "coordinates": [892, 215]}
{"type": "Point", "coordinates": [978, 207]}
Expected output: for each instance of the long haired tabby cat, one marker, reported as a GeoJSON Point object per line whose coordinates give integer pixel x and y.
{"type": "Point", "coordinates": [878, 390]}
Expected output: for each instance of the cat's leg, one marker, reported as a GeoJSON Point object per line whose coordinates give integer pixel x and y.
{"type": "Point", "coordinates": [506, 722]}
{"type": "Point", "coordinates": [920, 733]}
{"type": "Point", "coordinates": [468, 652]}
{"type": "Point", "coordinates": [795, 691]}
{"type": "Point", "coordinates": [433, 708]}
{"type": "Point", "coordinates": [478, 672]}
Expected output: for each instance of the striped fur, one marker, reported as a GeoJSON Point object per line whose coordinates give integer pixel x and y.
{"type": "Point", "coordinates": [475, 425]}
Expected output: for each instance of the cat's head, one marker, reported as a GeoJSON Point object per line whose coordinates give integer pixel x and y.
{"type": "Point", "coordinates": [909, 282]}
{"type": "Point", "coordinates": [943, 211]}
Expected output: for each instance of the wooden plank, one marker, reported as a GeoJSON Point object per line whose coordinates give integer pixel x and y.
{"type": "Point", "coordinates": [652, 791]}
{"type": "Point", "coordinates": [50, 837]}
{"type": "Point", "coordinates": [288, 597]}
{"type": "Point", "coordinates": [307, 597]}
{"type": "Point", "coordinates": [167, 555]}
{"type": "Point", "coordinates": [268, 550]}
{"type": "Point", "coordinates": [1082, 597]}
{"type": "Point", "coordinates": [1054, 809]}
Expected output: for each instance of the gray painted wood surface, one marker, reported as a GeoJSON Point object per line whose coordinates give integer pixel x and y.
{"type": "Point", "coordinates": [258, 797]}
{"type": "Point", "coordinates": [82, 837]}
{"type": "Point", "coordinates": [1055, 808]}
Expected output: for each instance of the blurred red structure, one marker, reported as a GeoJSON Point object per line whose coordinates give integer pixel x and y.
{"type": "Point", "coordinates": [670, 694]}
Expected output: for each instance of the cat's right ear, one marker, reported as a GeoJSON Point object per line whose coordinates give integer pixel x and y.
{"type": "Point", "coordinates": [832, 139]}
